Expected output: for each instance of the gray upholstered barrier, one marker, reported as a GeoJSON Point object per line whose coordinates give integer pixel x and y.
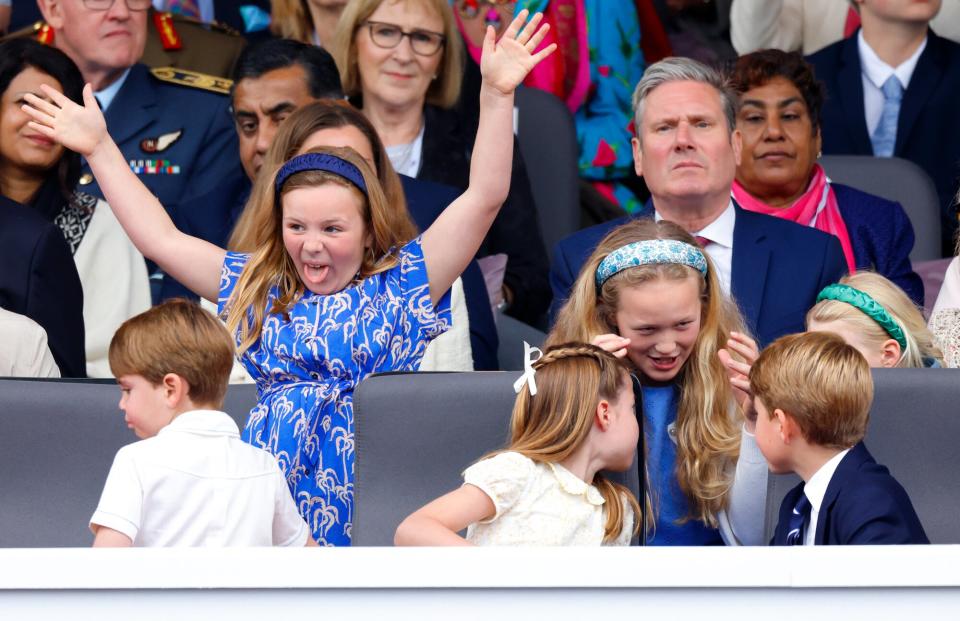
{"type": "Point", "coordinates": [57, 441]}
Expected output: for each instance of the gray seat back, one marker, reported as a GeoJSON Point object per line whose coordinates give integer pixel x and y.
{"type": "Point", "coordinates": [913, 431]}
{"type": "Point", "coordinates": [897, 180]}
{"type": "Point", "coordinates": [511, 334]}
{"type": "Point", "coordinates": [547, 139]}
{"type": "Point", "coordinates": [58, 442]}
{"type": "Point", "coordinates": [416, 434]}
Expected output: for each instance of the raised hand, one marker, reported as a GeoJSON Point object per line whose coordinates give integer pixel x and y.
{"type": "Point", "coordinates": [739, 370]}
{"type": "Point", "coordinates": [612, 343]}
{"type": "Point", "coordinates": [78, 128]}
{"type": "Point", "coordinates": [505, 63]}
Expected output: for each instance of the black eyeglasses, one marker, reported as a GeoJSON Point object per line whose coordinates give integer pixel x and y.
{"type": "Point", "coordinates": [103, 5]}
{"type": "Point", "coordinates": [389, 36]}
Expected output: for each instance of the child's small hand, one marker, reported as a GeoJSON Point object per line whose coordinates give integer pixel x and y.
{"type": "Point", "coordinates": [506, 63]}
{"type": "Point", "coordinates": [739, 371]}
{"type": "Point", "coordinates": [613, 343]}
{"type": "Point", "coordinates": [78, 128]}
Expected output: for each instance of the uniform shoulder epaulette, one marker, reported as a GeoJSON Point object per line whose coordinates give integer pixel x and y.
{"type": "Point", "coordinates": [38, 30]}
{"type": "Point", "coordinates": [183, 77]}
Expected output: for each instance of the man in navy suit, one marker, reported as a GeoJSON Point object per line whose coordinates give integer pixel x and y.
{"type": "Point", "coordinates": [896, 43]}
{"type": "Point", "coordinates": [811, 395]}
{"type": "Point", "coordinates": [39, 279]}
{"type": "Point", "coordinates": [687, 149]}
{"type": "Point", "coordinates": [173, 127]}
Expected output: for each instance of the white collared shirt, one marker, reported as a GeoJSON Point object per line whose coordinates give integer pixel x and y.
{"type": "Point", "coordinates": [874, 72]}
{"type": "Point", "coordinates": [720, 248]}
{"type": "Point", "coordinates": [815, 489]}
{"type": "Point", "coordinates": [196, 483]}
{"type": "Point", "coordinates": [539, 504]}
{"type": "Point", "coordinates": [105, 97]}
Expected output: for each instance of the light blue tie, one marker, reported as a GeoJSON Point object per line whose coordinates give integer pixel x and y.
{"type": "Point", "coordinates": [884, 137]}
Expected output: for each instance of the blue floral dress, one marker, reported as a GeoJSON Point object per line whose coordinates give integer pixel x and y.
{"type": "Point", "coordinates": [307, 364]}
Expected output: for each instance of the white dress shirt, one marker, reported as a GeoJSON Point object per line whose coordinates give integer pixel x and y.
{"type": "Point", "coordinates": [874, 72]}
{"type": "Point", "coordinates": [720, 248]}
{"type": "Point", "coordinates": [196, 483]}
{"type": "Point", "coordinates": [815, 489]}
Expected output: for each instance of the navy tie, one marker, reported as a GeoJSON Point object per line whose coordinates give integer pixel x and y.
{"type": "Point", "coordinates": [884, 137]}
{"type": "Point", "coordinates": [798, 521]}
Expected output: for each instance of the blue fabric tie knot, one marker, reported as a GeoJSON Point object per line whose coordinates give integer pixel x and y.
{"type": "Point", "coordinates": [799, 518]}
{"type": "Point", "coordinates": [884, 137]}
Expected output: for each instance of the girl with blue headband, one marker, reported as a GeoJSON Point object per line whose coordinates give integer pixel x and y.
{"type": "Point", "coordinates": [649, 294]}
{"type": "Point", "coordinates": [328, 299]}
{"type": "Point", "coordinates": [876, 316]}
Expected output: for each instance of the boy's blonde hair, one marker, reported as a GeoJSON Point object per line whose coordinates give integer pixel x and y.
{"type": "Point", "coordinates": [821, 382]}
{"type": "Point", "coordinates": [445, 88]}
{"type": "Point", "coordinates": [921, 346]}
{"type": "Point", "coordinates": [571, 379]}
{"type": "Point", "coordinates": [176, 337]}
{"type": "Point", "coordinates": [708, 427]}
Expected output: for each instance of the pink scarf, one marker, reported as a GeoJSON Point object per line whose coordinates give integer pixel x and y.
{"type": "Point", "coordinates": [817, 207]}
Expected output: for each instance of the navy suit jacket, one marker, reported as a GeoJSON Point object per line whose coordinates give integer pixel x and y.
{"type": "Point", "coordinates": [39, 279]}
{"type": "Point", "coordinates": [881, 236]}
{"type": "Point", "coordinates": [928, 131]}
{"type": "Point", "coordinates": [212, 217]}
{"type": "Point", "coordinates": [863, 505]}
{"type": "Point", "coordinates": [205, 152]}
{"type": "Point", "coordinates": [778, 269]}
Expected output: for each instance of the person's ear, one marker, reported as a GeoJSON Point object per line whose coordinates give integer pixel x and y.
{"type": "Point", "coordinates": [788, 428]}
{"type": "Point", "coordinates": [52, 13]}
{"type": "Point", "coordinates": [818, 144]}
{"type": "Point", "coordinates": [890, 354]}
{"type": "Point", "coordinates": [175, 389]}
{"type": "Point", "coordinates": [736, 141]}
{"type": "Point", "coordinates": [637, 155]}
{"type": "Point", "coordinates": [604, 415]}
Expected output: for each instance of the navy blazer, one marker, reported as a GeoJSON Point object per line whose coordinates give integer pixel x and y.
{"type": "Point", "coordinates": [213, 216]}
{"type": "Point", "coordinates": [881, 236]}
{"type": "Point", "coordinates": [863, 505]}
{"type": "Point", "coordinates": [38, 278]}
{"type": "Point", "coordinates": [205, 151]}
{"type": "Point", "coordinates": [928, 131]}
{"type": "Point", "coordinates": [778, 269]}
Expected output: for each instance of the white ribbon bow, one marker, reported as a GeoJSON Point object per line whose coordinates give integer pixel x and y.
{"type": "Point", "coordinates": [528, 370]}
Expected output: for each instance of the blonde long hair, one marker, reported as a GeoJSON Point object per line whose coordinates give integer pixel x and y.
{"type": "Point", "coordinates": [253, 228]}
{"type": "Point", "coordinates": [708, 430]}
{"type": "Point", "coordinates": [271, 264]}
{"type": "Point", "coordinates": [290, 19]}
{"type": "Point", "coordinates": [921, 346]}
{"type": "Point", "coordinates": [548, 428]}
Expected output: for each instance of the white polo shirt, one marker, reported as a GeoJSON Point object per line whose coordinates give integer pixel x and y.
{"type": "Point", "coordinates": [196, 483]}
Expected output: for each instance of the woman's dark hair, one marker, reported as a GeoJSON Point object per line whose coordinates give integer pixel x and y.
{"type": "Point", "coordinates": [15, 56]}
{"type": "Point", "coordinates": [758, 68]}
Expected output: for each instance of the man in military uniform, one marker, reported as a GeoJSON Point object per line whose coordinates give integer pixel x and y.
{"type": "Point", "coordinates": [173, 126]}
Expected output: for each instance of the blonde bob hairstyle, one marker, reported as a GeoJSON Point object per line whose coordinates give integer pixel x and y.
{"type": "Point", "coordinates": [921, 347]}
{"type": "Point", "coordinates": [708, 421]}
{"type": "Point", "coordinates": [571, 378]}
{"type": "Point", "coordinates": [270, 264]}
{"type": "Point", "coordinates": [443, 91]}
{"type": "Point", "coordinates": [253, 228]}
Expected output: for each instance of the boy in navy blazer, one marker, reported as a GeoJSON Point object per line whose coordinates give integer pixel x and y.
{"type": "Point", "coordinates": [812, 394]}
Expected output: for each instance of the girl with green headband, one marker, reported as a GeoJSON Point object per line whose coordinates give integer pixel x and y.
{"type": "Point", "coordinates": [875, 316]}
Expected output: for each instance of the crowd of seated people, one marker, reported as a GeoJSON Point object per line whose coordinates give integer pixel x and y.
{"type": "Point", "coordinates": [349, 198]}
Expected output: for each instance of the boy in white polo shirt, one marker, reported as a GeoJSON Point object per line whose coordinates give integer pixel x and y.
{"type": "Point", "coordinates": [191, 481]}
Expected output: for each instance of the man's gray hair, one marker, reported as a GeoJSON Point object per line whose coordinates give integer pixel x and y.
{"type": "Point", "coordinates": [679, 69]}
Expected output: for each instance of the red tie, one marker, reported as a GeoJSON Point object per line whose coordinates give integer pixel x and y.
{"type": "Point", "coordinates": [703, 241]}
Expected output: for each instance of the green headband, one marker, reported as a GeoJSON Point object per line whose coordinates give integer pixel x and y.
{"type": "Point", "coordinates": [868, 306]}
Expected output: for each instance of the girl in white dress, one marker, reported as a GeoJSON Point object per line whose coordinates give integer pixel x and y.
{"type": "Point", "coordinates": [574, 416]}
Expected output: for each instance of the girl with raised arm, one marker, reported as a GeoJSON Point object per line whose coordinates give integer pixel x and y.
{"type": "Point", "coordinates": [330, 298]}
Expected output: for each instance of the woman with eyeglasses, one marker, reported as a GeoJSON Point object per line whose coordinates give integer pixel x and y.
{"type": "Point", "coordinates": [401, 62]}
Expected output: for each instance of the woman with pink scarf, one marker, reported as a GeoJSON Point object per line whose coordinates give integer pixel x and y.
{"type": "Point", "coordinates": [779, 119]}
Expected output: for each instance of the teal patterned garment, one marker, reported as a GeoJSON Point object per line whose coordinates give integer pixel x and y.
{"type": "Point", "coordinates": [307, 364]}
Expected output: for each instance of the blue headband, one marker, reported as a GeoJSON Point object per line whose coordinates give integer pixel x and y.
{"type": "Point", "coordinates": [650, 252]}
{"type": "Point", "coordinates": [320, 161]}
